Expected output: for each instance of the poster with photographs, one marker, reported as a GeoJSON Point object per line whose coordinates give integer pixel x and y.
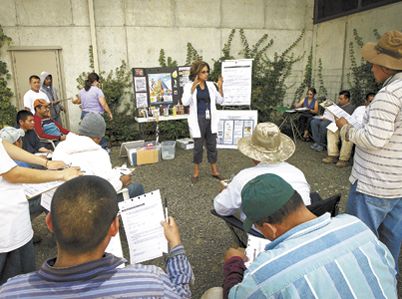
{"type": "Point", "coordinates": [160, 86]}
{"type": "Point", "coordinates": [184, 72]}
{"type": "Point", "coordinates": [233, 125]}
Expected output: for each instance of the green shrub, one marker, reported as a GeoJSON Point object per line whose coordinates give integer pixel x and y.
{"type": "Point", "coordinates": [7, 110]}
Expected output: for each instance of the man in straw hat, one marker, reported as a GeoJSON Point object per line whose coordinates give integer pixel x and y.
{"type": "Point", "coordinates": [268, 148]}
{"type": "Point", "coordinates": [309, 256]}
{"type": "Point", "coordinates": [376, 193]}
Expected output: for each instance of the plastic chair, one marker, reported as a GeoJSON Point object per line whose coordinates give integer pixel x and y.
{"type": "Point", "coordinates": [318, 208]}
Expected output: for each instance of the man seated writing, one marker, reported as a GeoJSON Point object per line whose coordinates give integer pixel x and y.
{"type": "Point", "coordinates": [84, 218]}
{"type": "Point", "coordinates": [309, 256]}
{"type": "Point", "coordinates": [268, 149]}
{"type": "Point", "coordinates": [84, 150]}
{"type": "Point", "coordinates": [46, 127]}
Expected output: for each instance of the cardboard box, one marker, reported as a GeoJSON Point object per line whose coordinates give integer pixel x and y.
{"type": "Point", "coordinates": [148, 154]}
{"type": "Point", "coordinates": [126, 146]}
{"type": "Point", "coordinates": [185, 143]}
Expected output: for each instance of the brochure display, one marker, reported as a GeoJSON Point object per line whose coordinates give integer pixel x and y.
{"type": "Point", "coordinates": [233, 125]}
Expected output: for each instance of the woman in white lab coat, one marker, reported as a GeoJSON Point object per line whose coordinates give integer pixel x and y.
{"type": "Point", "coordinates": [202, 95]}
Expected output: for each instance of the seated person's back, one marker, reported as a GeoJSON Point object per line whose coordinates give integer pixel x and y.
{"type": "Point", "coordinates": [83, 218]}
{"type": "Point", "coordinates": [268, 148]}
{"type": "Point", "coordinates": [309, 256]}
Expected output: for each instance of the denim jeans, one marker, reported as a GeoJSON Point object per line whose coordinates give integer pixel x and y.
{"type": "Point", "coordinates": [382, 216]}
{"type": "Point", "coordinates": [319, 130]}
{"type": "Point", "coordinates": [134, 189]}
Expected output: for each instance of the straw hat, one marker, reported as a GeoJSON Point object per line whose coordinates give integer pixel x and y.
{"type": "Point", "coordinates": [267, 144]}
{"type": "Point", "coordinates": [387, 52]}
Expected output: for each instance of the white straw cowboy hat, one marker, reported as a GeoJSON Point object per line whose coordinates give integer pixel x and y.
{"type": "Point", "coordinates": [267, 144]}
{"type": "Point", "coordinates": [387, 52]}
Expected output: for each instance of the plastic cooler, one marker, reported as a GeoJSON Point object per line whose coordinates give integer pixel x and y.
{"type": "Point", "coordinates": [168, 150]}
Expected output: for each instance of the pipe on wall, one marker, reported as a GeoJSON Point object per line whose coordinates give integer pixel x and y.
{"type": "Point", "coordinates": [94, 40]}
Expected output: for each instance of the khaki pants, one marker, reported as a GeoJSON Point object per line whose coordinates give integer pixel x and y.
{"type": "Point", "coordinates": [333, 144]}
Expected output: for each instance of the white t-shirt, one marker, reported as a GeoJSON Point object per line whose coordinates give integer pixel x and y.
{"type": "Point", "coordinates": [15, 223]}
{"type": "Point", "coordinates": [30, 96]}
{"type": "Point", "coordinates": [229, 200]}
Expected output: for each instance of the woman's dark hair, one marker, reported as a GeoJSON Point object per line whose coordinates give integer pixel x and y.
{"type": "Point", "coordinates": [92, 77]}
{"type": "Point", "coordinates": [196, 68]}
{"type": "Point", "coordinates": [312, 89]}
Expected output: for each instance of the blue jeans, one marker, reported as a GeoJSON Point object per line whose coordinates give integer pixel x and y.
{"type": "Point", "coordinates": [382, 216]}
{"type": "Point", "coordinates": [319, 130]}
{"type": "Point", "coordinates": [134, 189]}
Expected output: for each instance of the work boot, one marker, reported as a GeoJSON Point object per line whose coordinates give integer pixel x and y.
{"type": "Point", "coordinates": [196, 173]}
{"type": "Point", "coordinates": [215, 172]}
{"type": "Point", "coordinates": [330, 159]}
{"type": "Point", "coordinates": [342, 163]}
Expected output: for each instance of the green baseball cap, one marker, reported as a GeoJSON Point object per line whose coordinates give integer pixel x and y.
{"type": "Point", "coordinates": [263, 196]}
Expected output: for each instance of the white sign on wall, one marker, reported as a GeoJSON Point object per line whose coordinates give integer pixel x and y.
{"type": "Point", "coordinates": [237, 82]}
{"type": "Point", "coordinates": [233, 125]}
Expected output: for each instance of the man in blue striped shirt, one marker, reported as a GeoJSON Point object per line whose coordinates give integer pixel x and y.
{"type": "Point", "coordinates": [309, 256]}
{"type": "Point", "coordinates": [84, 218]}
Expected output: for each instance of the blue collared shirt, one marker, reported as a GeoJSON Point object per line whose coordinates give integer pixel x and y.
{"type": "Point", "coordinates": [323, 258]}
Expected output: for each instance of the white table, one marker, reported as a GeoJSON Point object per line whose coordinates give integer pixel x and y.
{"type": "Point", "coordinates": [142, 120]}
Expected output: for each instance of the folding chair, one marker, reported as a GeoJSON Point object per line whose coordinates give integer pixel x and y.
{"type": "Point", "coordinates": [318, 208]}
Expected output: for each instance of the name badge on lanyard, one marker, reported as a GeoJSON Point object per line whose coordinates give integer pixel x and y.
{"type": "Point", "coordinates": [207, 114]}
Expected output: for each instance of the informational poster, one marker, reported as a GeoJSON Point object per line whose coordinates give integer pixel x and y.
{"type": "Point", "coordinates": [233, 125]}
{"type": "Point", "coordinates": [156, 86]}
{"type": "Point", "coordinates": [237, 82]}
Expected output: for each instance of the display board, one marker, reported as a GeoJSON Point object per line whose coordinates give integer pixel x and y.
{"type": "Point", "coordinates": [233, 125]}
{"type": "Point", "coordinates": [237, 82]}
{"type": "Point", "coordinates": [159, 86]}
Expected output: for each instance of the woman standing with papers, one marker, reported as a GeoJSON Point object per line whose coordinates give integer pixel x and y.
{"type": "Point", "coordinates": [202, 95]}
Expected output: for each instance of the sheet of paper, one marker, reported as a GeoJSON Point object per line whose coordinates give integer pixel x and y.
{"type": "Point", "coordinates": [228, 132]}
{"type": "Point", "coordinates": [32, 190]}
{"type": "Point", "coordinates": [115, 248]}
{"type": "Point", "coordinates": [46, 199]}
{"type": "Point", "coordinates": [141, 218]}
{"type": "Point", "coordinates": [140, 84]}
{"type": "Point", "coordinates": [302, 109]}
{"type": "Point", "coordinates": [328, 115]}
{"type": "Point", "coordinates": [339, 112]}
{"type": "Point", "coordinates": [237, 82]}
{"type": "Point", "coordinates": [255, 245]}
{"type": "Point", "coordinates": [141, 99]}
{"type": "Point", "coordinates": [332, 127]}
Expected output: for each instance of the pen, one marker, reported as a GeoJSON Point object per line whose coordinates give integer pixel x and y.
{"type": "Point", "coordinates": [166, 211]}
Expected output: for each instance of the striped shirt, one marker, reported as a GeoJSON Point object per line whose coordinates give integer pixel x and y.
{"type": "Point", "coordinates": [321, 258]}
{"type": "Point", "coordinates": [102, 279]}
{"type": "Point", "coordinates": [377, 163]}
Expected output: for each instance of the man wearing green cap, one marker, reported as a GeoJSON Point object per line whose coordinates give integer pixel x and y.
{"type": "Point", "coordinates": [309, 256]}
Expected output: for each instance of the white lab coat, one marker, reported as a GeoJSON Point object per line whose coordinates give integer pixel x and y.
{"type": "Point", "coordinates": [191, 99]}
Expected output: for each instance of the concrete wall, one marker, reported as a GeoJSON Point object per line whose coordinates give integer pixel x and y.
{"type": "Point", "coordinates": [136, 30]}
{"type": "Point", "coordinates": [331, 41]}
